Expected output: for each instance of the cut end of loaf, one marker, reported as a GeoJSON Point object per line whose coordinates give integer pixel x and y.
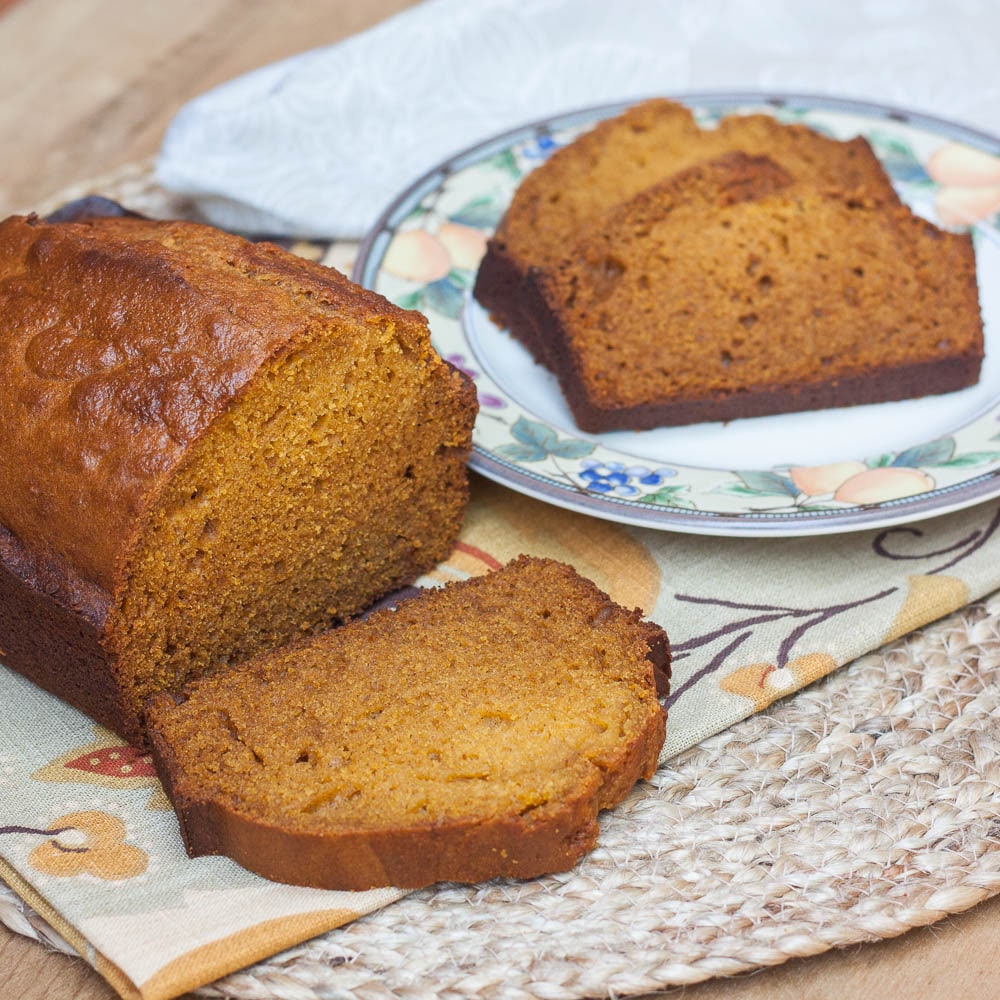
{"type": "Point", "coordinates": [337, 477]}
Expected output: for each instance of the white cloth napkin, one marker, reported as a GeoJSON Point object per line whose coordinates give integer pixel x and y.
{"type": "Point", "coordinates": [319, 144]}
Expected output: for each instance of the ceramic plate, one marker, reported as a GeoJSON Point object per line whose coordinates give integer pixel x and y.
{"type": "Point", "coordinates": [794, 474]}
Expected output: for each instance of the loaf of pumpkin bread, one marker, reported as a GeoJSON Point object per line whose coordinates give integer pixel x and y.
{"type": "Point", "coordinates": [210, 447]}
{"type": "Point", "coordinates": [474, 731]}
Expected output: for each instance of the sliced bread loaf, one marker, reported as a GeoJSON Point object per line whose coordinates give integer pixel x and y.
{"type": "Point", "coordinates": [209, 448]}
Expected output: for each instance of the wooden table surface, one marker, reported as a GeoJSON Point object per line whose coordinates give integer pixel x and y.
{"type": "Point", "coordinates": [89, 85]}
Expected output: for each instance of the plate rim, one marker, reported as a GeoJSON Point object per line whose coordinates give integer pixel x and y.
{"type": "Point", "coordinates": [976, 489]}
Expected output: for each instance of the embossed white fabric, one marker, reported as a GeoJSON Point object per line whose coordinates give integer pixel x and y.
{"type": "Point", "coordinates": [319, 144]}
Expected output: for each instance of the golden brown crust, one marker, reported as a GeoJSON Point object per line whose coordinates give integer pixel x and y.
{"type": "Point", "coordinates": [234, 777]}
{"type": "Point", "coordinates": [124, 339]}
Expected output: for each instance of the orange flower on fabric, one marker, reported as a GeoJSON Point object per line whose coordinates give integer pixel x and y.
{"type": "Point", "coordinates": [764, 683]}
{"type": "Point", "coordinates": [89, 843]}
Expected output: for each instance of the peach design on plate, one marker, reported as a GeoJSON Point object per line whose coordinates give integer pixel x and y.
{"type": "Point", "coordinates": [855, 483]}
{"type": "Point", "coordinates": [815, 480]}
{"type": "Point", "coordinates": [465, 245]}
{"type": "Point", "coordinates": [970, 184]}
{"type": "Point", "coordinates": [419, 255]}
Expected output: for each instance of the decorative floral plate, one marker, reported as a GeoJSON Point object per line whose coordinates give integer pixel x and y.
{"type": "Point", "coordinates": [795, 474]}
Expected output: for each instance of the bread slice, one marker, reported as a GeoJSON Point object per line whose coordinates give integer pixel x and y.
{"type": "Point", "coordinates": [473, 732]}
{"type": "Point", "coordinates": [209, 447]}
{"type": "Point", "coordinates": [621, 156]}
{"type": "Point", "coordinates": [728, 291]}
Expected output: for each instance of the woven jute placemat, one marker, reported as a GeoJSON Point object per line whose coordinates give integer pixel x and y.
{"type": "Point", "coordinates": [861, 807]}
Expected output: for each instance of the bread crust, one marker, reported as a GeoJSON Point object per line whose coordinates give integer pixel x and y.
{"type": "Point", "coordinates": [52, 628]}
{"type": "Point", "coordinates": [903, 382]}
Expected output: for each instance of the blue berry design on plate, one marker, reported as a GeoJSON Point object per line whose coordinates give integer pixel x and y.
{"type": "Point", "coordinates": [620, 480]}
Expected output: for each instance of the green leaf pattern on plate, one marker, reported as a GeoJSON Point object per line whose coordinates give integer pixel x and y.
{"type": "Point", "coordinates": [535, 442]}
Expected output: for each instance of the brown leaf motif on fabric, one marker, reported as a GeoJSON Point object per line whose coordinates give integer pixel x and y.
{"type": "Point", "coordinates": [930, 594]}
{"type": "Point", "coordinates": [792, 623]}
{"type": "Point", "coordinates": [464, 562]}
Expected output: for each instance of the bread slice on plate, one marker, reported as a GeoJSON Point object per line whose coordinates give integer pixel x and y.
{"type": "Point", "coordinates": [474, 731]}
{"type": "Point", "coordinates": [621, 156]}
{"type": "Point", "coordinates": [728, 290]}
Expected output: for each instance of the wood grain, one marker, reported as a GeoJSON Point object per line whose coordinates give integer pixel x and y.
{"type": "Point", "coordinates": [91, 84]}
{"type": "Point", "coordinates": [30, 972]}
